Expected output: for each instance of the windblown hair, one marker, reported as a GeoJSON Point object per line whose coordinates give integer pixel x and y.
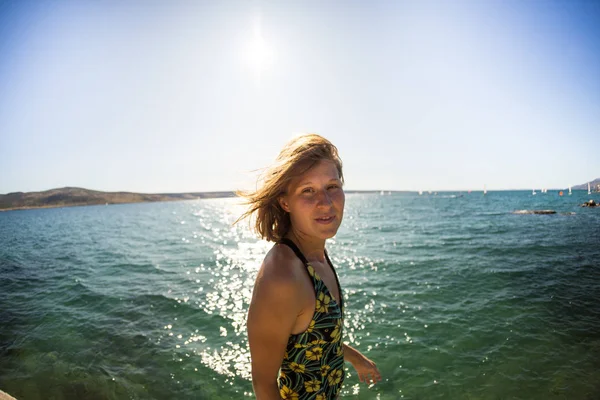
{"type": "Point", "coordinates": [298, 156]}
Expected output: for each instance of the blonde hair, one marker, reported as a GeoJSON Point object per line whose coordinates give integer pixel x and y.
{"type": "Point", "coordinates": [298, 156]}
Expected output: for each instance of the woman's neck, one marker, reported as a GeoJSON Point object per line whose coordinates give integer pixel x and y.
{"type": "Point", "coordinates": [313, 249]}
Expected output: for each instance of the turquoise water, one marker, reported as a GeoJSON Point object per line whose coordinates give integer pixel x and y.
{"type": "Point", "coordinates": [453, 297]}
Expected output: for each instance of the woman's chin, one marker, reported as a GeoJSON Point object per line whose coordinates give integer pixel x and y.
{"type": "Point", "coordinates": [327, 233]}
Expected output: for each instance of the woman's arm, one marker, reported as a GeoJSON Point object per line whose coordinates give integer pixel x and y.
{"type": "Point", "coordinates": [271, 317]}
{"type": "Point", "coordinates": [366, 369]}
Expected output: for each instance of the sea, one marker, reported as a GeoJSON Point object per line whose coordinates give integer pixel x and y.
{"type": "Point", "coordinates": [452, 295]}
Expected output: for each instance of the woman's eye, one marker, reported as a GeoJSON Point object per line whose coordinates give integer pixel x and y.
{"type": "Point", "coordinates": [307, 190]}
{"type": "Point", "coordinates": [332, 187]}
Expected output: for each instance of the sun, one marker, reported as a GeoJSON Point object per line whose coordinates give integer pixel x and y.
{"type": "Point", "coordinates": [258, 53]}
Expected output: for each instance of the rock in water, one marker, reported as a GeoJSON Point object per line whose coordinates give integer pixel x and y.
{"type": "Point", "coordinates": [534, 212]}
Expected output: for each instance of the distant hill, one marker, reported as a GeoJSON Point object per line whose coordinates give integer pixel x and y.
{"type": "Point", "coordinates": [72, 196]}
{"type": "Point", "coordinates": [593, 184]}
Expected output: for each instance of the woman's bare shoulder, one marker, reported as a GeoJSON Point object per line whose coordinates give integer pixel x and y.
{"type": "Point", "coordinates": [278, 279]}
{"type": "Point", "coordinates": [280, 265]}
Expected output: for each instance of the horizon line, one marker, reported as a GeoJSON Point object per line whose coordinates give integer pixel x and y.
{"type": "Point", "coordinates": [345, 190]}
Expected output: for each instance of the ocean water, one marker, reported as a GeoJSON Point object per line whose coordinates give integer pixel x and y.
{"type": "Point", "coordinates": [453, 296]}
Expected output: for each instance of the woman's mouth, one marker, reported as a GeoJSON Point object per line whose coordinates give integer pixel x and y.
{"type": "Point", "coordinates": [325, 220]}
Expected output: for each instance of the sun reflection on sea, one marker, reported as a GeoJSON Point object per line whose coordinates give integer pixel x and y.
{"type": "Point", "coordinates": [222, 286]}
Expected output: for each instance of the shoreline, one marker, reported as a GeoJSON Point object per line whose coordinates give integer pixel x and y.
{"type": "Point", "coordinates": [78, 197]}
{"type": "Point", "coordinates": [103, 204]}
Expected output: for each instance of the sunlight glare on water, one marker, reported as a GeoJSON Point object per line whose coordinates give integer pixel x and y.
{"type": "Point", "coordinates": [237, 257]}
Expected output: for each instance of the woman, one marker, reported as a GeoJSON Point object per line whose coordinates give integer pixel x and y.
{"type": "Point", "coordinates": [295, 320]}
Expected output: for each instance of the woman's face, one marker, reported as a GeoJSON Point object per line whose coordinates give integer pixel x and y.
{"type": "Point", "coordinates": [315, 201]}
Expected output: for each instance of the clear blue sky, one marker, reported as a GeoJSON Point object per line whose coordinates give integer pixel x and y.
{"type": "Point", "coordinates": [173, 96]}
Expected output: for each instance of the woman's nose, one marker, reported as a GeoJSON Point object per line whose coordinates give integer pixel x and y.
{"type": "Point", "coordinates": [324, 199]}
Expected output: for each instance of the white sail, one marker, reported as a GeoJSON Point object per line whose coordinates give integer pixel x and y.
{"type": "Point", "coordinates": [533, 192]}
{"type": "Point", "coordinates": [484, 190]}
{"type": "Point", "coordinates": [589, 190]}
{"type": "Point", "coordinates": [569, 190]}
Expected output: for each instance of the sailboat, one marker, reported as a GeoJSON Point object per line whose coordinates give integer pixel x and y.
{"type": "Point", "coordinates": [569, 190]}
{"type": "Point", "coordinates": [533, 193]}
{"type": "Point", "coordinates": [589, 191]}
{"type": "Point", "coordinates": [484, 190]}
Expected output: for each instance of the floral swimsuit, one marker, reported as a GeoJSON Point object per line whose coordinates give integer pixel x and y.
{"type": "Point", "coordinates": [313, 365]}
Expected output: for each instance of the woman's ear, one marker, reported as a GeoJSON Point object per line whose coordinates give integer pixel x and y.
{"type": "Point", "coordinates": [283, 204]}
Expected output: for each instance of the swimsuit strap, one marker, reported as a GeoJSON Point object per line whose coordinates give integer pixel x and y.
{"type": "Point", "coordinates": [341, 299]}
{"type": "Point", "coordinates": [295, 248]}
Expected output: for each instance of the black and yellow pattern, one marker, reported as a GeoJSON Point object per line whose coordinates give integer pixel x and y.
{"type": "Point", "coordinates": [313, 365]}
